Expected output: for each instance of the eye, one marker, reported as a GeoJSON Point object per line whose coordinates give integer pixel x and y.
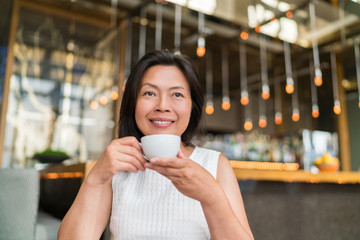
{"type": "Point", "coordinates": [178, 95]}
{"type": "Point", "coordinates": [148, 93]}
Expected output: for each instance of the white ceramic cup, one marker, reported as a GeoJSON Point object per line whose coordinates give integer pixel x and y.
{"type": "Point", "coordinates": [160, 145]}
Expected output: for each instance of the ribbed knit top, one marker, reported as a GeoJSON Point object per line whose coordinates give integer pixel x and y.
{"type": "Point", "coordinates": [146, 205]}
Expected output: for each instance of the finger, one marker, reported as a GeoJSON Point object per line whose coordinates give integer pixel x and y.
{"type": "Point", "coordinates": [167, 162]}
{"type": "Point", "coordinates": [165, 171]}
{"type": "Point", "coordinates": [130, 141]}
{"type": "Point", "coordinates": [130, 150]}
{"type": "Point", "coordinates": [181, 154]}
{"type": "Point", "coordinates": [124, 166]}
{"type": "Point", "coordinates": [130, 159]}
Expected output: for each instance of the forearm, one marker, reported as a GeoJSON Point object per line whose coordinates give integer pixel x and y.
{"type": "Point", "coordinates": [89, 214]}
{"type": "Point", "coordinates": [221, 219]}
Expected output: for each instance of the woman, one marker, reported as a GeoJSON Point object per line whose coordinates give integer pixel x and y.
{"type": "Point", "coordinates": [192, 196]}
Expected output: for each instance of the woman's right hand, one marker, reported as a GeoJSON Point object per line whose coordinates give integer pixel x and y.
{"type": "Point", "coordinates": [123, 154]}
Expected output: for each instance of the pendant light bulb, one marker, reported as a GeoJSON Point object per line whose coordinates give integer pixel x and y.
{"type": "Point", "coordinates": [262, 121]}
{"type": "Point", "coordinates": [244, 100]}
{"type": "Point", "coordinates": [248, 125]}
{"type": "Point", "coordinates": [337, 107]}
{"type": "Point", "coordinates": [114, 95]}
{"type": "Point", "coordinates": [295, 115]}
{"type": "Point", "coordinates": [289, 14]}
{"type": "Point", "coordinates": [226, 103]}
{"type": "Point", "coordinates": [103, 100]}
{"type": "Point", "coordinates": [318, 77]}
{"type": "Point", "coordinates": [265, 94]}
{"type": "Point", "coordinates": [289, 88]}
{"type": "Point", "coordinates": [209, 109]}
{"type": "Point", "coordinates": [289, 85]}
{"type": "Point", "coordinates": [200, 51]}
{"type": "Point", "coordinates": [278, 118]}
{"type": "Point", "coordinates": [244, 35]}
{"type": "Point", "coordinates": [94, 104]}
{"type": "Point", "coordinates": [315, 111]}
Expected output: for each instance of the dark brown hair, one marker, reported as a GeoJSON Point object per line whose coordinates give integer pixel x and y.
{"type": "Point", "coordinates": [127, 123]}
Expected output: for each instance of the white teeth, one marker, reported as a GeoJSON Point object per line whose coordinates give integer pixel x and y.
{"type": "Point", "coordinates": [162, 122]}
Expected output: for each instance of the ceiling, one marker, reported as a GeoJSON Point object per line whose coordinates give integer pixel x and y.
{"type": "Point", "coordinates": [222, 29]}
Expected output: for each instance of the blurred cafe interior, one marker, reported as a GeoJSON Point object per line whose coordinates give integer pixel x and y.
{"type": "Point", "coordinates": [280, 78]}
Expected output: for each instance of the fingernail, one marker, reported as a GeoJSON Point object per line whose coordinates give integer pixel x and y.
{"type": "Point", "coordinates": [153, 160]}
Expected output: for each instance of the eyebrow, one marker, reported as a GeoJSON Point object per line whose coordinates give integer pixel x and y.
{"type": "Point", "coordinates": [155, 86]}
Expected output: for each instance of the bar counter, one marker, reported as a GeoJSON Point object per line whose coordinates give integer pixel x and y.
{"type": "Point", "coordinates": [298, 176]}
{"type": "Point", "coordinates": [284, 173]}
{"type": "Point", "coordinates": [280, 204]}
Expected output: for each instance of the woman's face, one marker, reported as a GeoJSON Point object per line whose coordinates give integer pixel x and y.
{"type": "Point", "coordinates": [164, 101]}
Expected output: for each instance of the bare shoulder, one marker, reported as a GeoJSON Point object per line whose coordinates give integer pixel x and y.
{"type": "Point", "coordinates": [225, 171]}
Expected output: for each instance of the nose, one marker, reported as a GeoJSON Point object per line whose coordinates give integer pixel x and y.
{"type": "Point", "coordinates": [163, 104]}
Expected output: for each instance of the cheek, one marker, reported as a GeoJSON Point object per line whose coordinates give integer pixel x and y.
{"type": "Point", "coordinates": [185, 110]}
{"type": "Point", "coordinates": [140, 110]}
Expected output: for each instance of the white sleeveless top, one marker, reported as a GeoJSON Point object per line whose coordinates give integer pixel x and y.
{"type": "Point", "coordinates": [146, 205]}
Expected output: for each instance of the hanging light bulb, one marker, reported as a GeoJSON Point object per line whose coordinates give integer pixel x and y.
{"type": "Point", "coordinates": [200, 51]}
{"type": "Point", "coordinates": [225, 79]}
{"type": "Point", "coordinates": [315, 111]}
{"type": "Point", "coordinates": [295, 103]}
{"type": "Point", "coordinates": [262, 121]}
{"type": "Point", "coordinates": [103, 100]}
{"type": "Point", "coordinates": [244, 100]}
{"type": "Point", "coordinates": [289, 87]}
{"type": "Point", "coordinates": [318, 77]}
{"type": "Point", "coordinates": [114, 95]}
{"type": "Point", "coordinates": [337, 107]}
{"type": "Point", "coordinates": [288, 69]}
{"type": "Point", "coordinates": [357, 61]}
{"type": "Point", "coordinates": [264, 74]}
{"type": "Point", "coordinates": [278, 118]}
{"type": "Point", "coordinates": [265, 94]}
{"type": "Point", "coordinates": [289, 14]}
{"type": "Point", "coordinates": [314, 99]}
{"type": "Point", "coordinates": [94, 104]}
{"type": "Point", "coordinates": [318, 74]}
{"type": "Point", "coordinates": [295, 115]}
{"type": "Point", "coordinates": [209, 109]}
{"type": "Point", "coordinates": [262, 112]}
{"type": "Point", "coordinates": [248, 125]}
{"type": "Point", "coordinates": [277, 102]}
{"type": "Point", "coordinates": [225, 103]}
{"type": "Point", "coordinates": [244, 35]}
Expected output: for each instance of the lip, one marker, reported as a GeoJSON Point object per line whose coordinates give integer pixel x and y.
{"type": "Point", "coordinates": [161, 122]}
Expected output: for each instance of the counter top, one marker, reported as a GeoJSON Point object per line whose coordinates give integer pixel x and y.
{"type": "Point", "coordinates": [284, 173]}
{"type": "Point", "coordinates": [298, 176]}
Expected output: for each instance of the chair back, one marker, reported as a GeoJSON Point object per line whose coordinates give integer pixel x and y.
{"type": "Point", "coordinates": [19, 198]}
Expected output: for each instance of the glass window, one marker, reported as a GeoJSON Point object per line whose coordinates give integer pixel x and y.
{"type": "Point", "coordinates": [62, 90]}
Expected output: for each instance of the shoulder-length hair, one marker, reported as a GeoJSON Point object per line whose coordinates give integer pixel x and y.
{"type": "Point", "coordinates": [127, 123]}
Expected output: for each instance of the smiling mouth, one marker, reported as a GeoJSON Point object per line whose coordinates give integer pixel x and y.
{"type": "Point", "coordinates": [161, 122]}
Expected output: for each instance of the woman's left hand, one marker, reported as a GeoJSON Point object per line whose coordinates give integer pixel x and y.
{"type": "Point", "coordinates": [188, 177]}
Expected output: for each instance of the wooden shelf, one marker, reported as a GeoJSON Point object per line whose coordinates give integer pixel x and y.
{"type": "Point", "coordinates": [298, 176]}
